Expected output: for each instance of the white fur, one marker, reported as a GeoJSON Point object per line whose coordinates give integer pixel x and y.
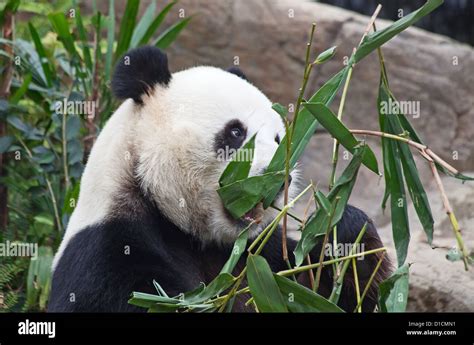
{"type": "Point", "coordinates": [172, 136]}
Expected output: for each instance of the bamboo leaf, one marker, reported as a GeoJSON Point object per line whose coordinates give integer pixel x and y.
{"type": "Point", "coordinates": [393, 294]}
{"type": "Point", "coordinates": [337, 129]}
{"type": "Point", "coordinates": [319, 222]}
{"type": "Point", "coordinates": [126, 27]}
{"type": "Point", "coordinates": [222, 282]}
{"type": "Point", "coordinates": [305, 126]}
{"type": "Point", "coordinates": [322, 201]}
{"type": "Point", "coordinates": [237, 250]}
{"type": "Point", "coordinates": [38, 283]}
{"type": "Point", "coordinates": [83, 36]}
{"type": "Point", "coordinates": [299, 299]}
{"type": "Point", "coordinates": [169, 35]}
{"type": "Point", "coordinates": [418, 195]}
{"type": "Point", "coordinates": [143, 24]}
{"type": "Point", "coordinates": [110, 40]}
{"type": "Point", "coordinates": [42, 54]}
{"type": "Point", "coordinates": [20, 92]}
{"type": "Point", "coordinates": [398, 207]}
{"type": "Point", "coordinates": [374, 40]}
{"type": "Point", "coordinates": [241, 196]}
{"type": "Point", "coordinates": [325, 55]}
{"type": "Point", "coordinates": [263, 286]}
{"type": "Point", "coordinates": [280, 109]}
{"type": "Point", "coordinates": [61, 27]}
{"type": "Point", "coordinates": [156, 24]}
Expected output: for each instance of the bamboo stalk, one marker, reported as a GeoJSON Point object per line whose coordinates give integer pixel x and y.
{"type": "Point", "coordinates": [369, 283]}
{"type": "Point", "coordinates": [306, 74]}
{"type": "Point", "coordinates": [329, 262]}
{"type": "Point", "coordinates": [356, 282]}
{"type": "Point", "coordinates": [452, 217]}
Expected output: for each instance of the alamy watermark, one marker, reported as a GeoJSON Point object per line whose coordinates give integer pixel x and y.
{"type": "Point", "coordinates": [238, 155]}
{"type": "Point", "coordinates": [344, 249]}
{"type": "Point", "coordinates": [86, 108]}
{"type": "Point", "coordinates": [19, 249]}
{"type": "Point", "coordinates": [409, 108]}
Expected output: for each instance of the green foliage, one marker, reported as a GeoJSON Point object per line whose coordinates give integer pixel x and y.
{"type": "Point", "coordinates": [64, 59]}
{"type": "Point", "coordinates": [394, 291]}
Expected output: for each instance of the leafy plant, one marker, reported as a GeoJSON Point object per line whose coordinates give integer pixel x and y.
{"type": "Point", "coordinates": [66, 59]}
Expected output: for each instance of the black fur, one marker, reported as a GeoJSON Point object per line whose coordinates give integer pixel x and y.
{"type": "Point", "coordinates": [238, 72]}
{"type": "Point", "coordinates": [96, 271]}
{"type": "Point", "coordinates": [224, 139]}
{"type": "Point", "coordinates": [138, 71]}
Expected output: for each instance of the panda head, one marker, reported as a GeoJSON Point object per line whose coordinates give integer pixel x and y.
{"type": "Point", "coordinates": [184, 126]}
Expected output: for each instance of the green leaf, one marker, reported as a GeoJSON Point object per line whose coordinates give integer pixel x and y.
{"type": "Point", "coordinates": [73, 126]}
{"type": "Point", "coordinates": [398, 207]}
{"type": "Point", "coordinates": [146, 300]}
{"type": "Point", "coordinates": [410, 171]}
{"type": "Point", "coordinates": [237, 251]}
{"type": "Point", "coordinates": [44, 219]}
{"type": "Point", "coordinates": [374, 40]}
{"type": "Point", "coordinates": [322, 201]}
{"type": "Point", "coordinates": [71, 198]}
{"type": "Point", "coordinates": [38, 282]}
{"type": "Point", "coordinates": [126, 27]}
{"type": "Point", "coordinates": [239, 167]}
{"type": "Point", "coordinates": [281, 110]}
{"type": "Point", "coordinates": [221, 283]}
{"type": "Point", "coordinates": [325, 55]}
{"type": "Point", "coordinates": [319, 222]}
{"type": "Point", "coordinates": [299, 299]}
{"type": "Point", "coordinates": [415, 137]}
{"type": "Point", "coordinates": [20, 92]}
{"type": "Point", "coordinates": [169, 35]}
{"type": "Point", "coordinates": [83, 36]}
{"type": "Point", "coordinates": [42, 55]}
{"type": "Point", "coordinates": [142, 26]}
{"type": "Point", "coordinates": [110, 39]}
{"type": "Point", "coordinates": [337, 129]}
{"type": "Point", "coordinates": [5, 143]}
{"type": "Point", "coordinates": [241, 196]}
{"type": "Point", "coordinates": [61, 27]}
{"type": "Point", "coordinates": [10, 6]}
{"type": "Point", "coordinates": [305, 126]}
{"type": "Point", "coordinates": [393, 294]}
{"type": "Point", "coordinates": [263, 286]}
{"type": "Point", "coordinates": [156, 24]}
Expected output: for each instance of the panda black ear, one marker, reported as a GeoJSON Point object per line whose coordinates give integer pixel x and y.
{"type": "Point", "coordinates": [138, 71]}
{"type": "Point", "coordinates": [238, 72]}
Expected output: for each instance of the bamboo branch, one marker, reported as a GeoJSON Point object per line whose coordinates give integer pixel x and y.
{"type": "Point", "coordinates": [306, 74]}
{"type": "Point", "coordinates": [356, 282]}
{"type": "Point", "coordinates": [452, 217]}
{"type": "Point", "coordinates": [329, 262]}
{"type": "Point", "coordinates": [432, 158]}
{"type": "Point", "coordinates": [369, 283]}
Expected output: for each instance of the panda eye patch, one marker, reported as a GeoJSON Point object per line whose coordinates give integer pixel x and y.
{"type": "Point", "coordinates": [231, 136]}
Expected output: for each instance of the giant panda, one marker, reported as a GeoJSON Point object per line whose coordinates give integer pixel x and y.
{"type": "Point", "coordinates": [148, 207]}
